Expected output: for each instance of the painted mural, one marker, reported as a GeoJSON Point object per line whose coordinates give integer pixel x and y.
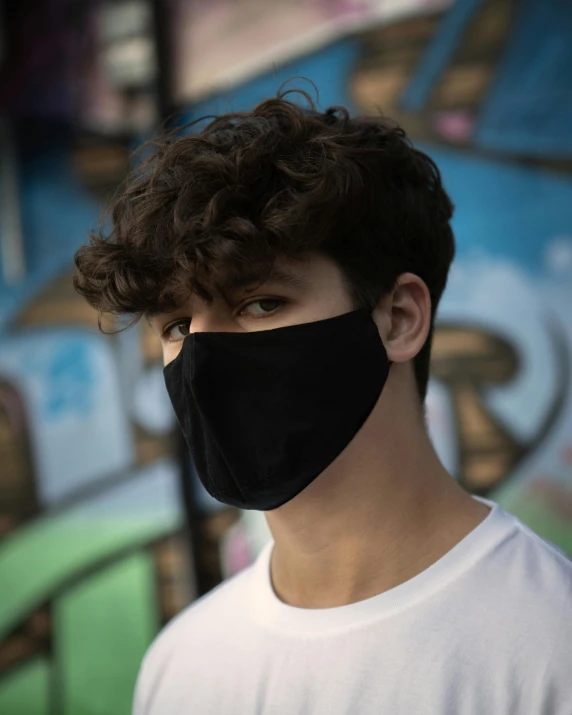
{"type": "Point", "coordinates": [95, 548]}
{"type": "Point", "coordinates": [95, 553]}
{"type": "Point", "coordinates": [218, 45]}
{"type": "Point", "coordinates": [93, 557]}
{"type": "Point", "coordinates": [487, 88]}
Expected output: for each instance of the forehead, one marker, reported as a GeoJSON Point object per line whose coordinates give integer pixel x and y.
{"type": "Point", "coordinates": [284, 272]}
{"type": "Point", "coordinates": [279, 274]}
{"type": "Point", "coordinates": [234, 282]}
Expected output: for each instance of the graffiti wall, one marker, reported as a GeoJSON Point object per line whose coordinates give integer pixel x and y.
{"type": "Point", "coordinates": [219, 45]}
{"type": "Point", "coordinates": [486, 88]}
{"type": "Point", "coordinates": [94, 551]}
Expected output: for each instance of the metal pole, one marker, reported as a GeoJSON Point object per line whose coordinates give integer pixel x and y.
{"type": "Point", "coordinates": [11, 236]}
{"type": "Point", "coordinates": [195, 516]}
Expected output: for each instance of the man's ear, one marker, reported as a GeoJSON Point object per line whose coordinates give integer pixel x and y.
{"type": "Point", "coordinates": [404, 318]}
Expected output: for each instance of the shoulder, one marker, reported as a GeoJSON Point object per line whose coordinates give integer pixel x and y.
{"type": "Point", "coordinates": [517, 595]}
{"type": "Point", "coordinates": [543, 564]}
{"type": "Point", "coordinates": [511, 613]}
{"type": "Point", "coordinates": [546, 617]}
{"type": "Point", "coordinates": [189, 630]}
{"type": "Point", "coordinates": [527, 582]}
{"type": "Point", "coordinates": [529, 571]}
{"type": "Point", "coordinates": [218, 605]}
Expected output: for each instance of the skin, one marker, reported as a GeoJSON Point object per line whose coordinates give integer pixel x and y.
{"type": "Point", "coordinates": [386, 509]}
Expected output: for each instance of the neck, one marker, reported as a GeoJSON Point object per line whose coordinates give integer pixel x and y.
{"type": "Point", "coordinates": [384, 511]}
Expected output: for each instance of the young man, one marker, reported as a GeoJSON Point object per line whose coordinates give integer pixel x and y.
{"type": "Point", "coordinates": [291, 262]}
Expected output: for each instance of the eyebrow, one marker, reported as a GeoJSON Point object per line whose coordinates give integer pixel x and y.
{"type": "Point", "coordinates": [276, 277]}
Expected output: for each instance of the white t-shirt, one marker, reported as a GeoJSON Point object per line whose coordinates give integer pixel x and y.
{"type": "Point", "coordinates": [486, 630]}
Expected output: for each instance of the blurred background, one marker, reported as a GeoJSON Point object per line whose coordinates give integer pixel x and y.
{"type": "Point", "coordinates": [105, 531]}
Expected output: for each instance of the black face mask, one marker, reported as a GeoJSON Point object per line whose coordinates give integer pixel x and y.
{"type": "Point", "coordinates": [264, 413]}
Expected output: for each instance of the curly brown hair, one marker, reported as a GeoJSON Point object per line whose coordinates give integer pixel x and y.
{"type": "Point", "coordinates": [281, 179]}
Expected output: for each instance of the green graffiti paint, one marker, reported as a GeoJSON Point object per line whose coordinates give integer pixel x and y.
{"type": "Point", "coordinates": [75, 545]}
{"type": "Point", "coordinates": [102, 628]}
{"type": "Point", "coordinates": [25, 690]}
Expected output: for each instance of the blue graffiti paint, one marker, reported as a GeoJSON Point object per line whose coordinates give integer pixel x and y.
{"type": "Point", "coordinates": [57, 213]}
{"type": "Point", "coordinates": [504, 209]}
{"type": "Point", "coordinates": [441, 50]}
{"type": "Point", "coordinates": [67, 376]}
{"type": "Point", "coordinates": [529, 109]}
{"type": "Point", "coordinates": [329, 68]}
{"type": "Point", "coordinates": [70, 382]}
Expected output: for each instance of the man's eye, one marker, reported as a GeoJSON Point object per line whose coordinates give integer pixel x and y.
{"type": "Point", "coordinates": [261, 308]}
{"type": "Point", "coordinates": [176, 332]}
